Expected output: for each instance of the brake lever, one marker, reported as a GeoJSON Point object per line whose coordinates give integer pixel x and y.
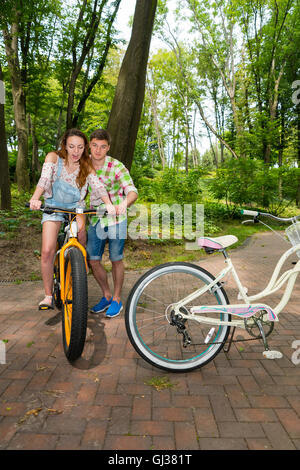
{"type": "Point", "coordinates": [253, 221]}
{"type": "Point", "coordinates": [249, 220]}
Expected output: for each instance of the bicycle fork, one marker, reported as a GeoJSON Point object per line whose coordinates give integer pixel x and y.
{"type": "Point", "coordinates": [71, 243]}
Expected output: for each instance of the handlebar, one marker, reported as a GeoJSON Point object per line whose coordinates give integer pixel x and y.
{"type": "Point", "coordinates": [256, 214]}
{"type": "Point", "coordinates": [75, 210]}
{"type": "Point", "coordinates": [246, 212]}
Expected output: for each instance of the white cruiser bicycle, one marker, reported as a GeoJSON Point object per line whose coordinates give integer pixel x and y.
{"type": "Point", "coordinates": [178, 316]}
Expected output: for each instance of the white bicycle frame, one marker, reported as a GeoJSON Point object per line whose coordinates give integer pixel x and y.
{"type": "Point", "coordinates": [274, 285]}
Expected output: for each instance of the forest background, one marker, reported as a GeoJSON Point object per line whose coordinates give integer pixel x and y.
{"type": "Point", "coordinates": [210, 116]}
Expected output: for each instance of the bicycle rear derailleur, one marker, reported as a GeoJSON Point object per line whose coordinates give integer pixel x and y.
{"type": "Point", "coordinates": [179, 322]}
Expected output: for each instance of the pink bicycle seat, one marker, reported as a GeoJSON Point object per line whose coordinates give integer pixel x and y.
{"type": "Point", "coordinates": [218, 243]}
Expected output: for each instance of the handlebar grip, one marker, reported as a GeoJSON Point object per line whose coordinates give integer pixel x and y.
{"type": "Point", "coordinates": [246, 212]}
{"type": "Point", "coordinates": [27, 204]}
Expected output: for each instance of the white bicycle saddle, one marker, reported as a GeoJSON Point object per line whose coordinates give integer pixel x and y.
{"type": "Point", "coordinates": [217, 243]}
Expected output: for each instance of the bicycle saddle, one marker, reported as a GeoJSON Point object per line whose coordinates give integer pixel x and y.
{"type": "Point", "coordinates": [218, 243]}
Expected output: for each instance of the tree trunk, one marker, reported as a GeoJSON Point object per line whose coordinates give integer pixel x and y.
{"type": "Point", "coordinates": [186, 153]}
{"type": "Point", "coordinates": [4, 170]}
{"type": "Point", "coordinates": [75, 73]}
{"type": "Point", "coordinates": [152, 98]}
{"type": "Point", "coordinates": [35, 164]}
{"type": "Point", "coordinates": [197, 162]}
{"type": "Point", "coordinates": [87, 51]}
{"type": "Point", "coordinates": [127, 106]}
{"type": "Point", "coordinates": [60, 115]}
{"type": "Point", "coordinates": [11, 47]}
{"type": "Point", "coordinates": [273, 103]}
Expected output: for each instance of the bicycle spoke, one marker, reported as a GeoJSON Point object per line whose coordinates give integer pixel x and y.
{"type": "Point", "coordinates": [155, 299]}
{"type": "Point", "coordinates": [152, 311]}
{"type": "Point", "coordinates": [165, 337]}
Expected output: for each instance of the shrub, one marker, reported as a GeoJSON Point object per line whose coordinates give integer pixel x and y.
{"type": "Point", "coordinates": [171, 186]}
{"type": "Point", "coordinates": [250, 182]}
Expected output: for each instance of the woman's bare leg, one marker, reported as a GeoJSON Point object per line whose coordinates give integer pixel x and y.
{"type": "Point", "coordinates": [49, 237]}
{"type": "Point", "coordinates": [81, 229]}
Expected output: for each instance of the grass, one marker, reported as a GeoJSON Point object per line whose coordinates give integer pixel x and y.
{"type": "Point", "coordinates": [160, 383]}
{"type": "Point", "coordinates": [140, 254]}
{"type": "Point", "coordinates": [149, 253]}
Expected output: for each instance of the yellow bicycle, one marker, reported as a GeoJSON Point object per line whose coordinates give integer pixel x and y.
{"type": "Point", "coordinates": [70, 286]}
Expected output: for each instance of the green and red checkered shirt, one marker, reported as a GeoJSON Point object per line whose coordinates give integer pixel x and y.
{"type": "Point", "coordinates": [118, 183]}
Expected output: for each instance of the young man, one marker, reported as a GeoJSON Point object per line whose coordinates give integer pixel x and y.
{"type": "Point", "coordinates": [122, 192]}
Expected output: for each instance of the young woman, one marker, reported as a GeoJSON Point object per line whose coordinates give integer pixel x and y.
{"type": "Point", "coordinates": [65, 178]}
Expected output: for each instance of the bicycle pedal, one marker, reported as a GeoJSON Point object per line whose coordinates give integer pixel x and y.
{"type": "Point", "coordinates": [272, 354]}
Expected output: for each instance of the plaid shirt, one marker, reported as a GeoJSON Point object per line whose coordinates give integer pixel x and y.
{"type": "Point", "coordinates": [118, 183]}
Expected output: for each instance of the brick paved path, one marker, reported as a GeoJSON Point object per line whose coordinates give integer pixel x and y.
{"type": "Point", "coordinates": [238, 401]}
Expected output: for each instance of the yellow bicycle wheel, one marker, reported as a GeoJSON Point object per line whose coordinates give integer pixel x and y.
{"type": "Point", "coordinates": [75, 304]}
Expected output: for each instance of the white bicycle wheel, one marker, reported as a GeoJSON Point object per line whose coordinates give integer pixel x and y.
{"type": "Point", "coordinates": [157, 334]}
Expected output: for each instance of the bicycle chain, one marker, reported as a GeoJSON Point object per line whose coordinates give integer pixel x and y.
{"type": "Point", "coordinates": [226, 342]}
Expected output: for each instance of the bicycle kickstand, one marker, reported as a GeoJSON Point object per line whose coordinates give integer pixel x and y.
{"type": "Point", "coordinates": [226, 350]}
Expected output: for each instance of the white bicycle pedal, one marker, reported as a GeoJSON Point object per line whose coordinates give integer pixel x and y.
{"type": "Point", "coordinates": [209, 335]}
{"type": "Point", "coordinates": [272, 354]}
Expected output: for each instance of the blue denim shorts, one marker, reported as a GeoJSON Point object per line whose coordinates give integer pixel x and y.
{"type": "Point", "coordinates": [55, 217]}
{"type": "Point", "coordinates": [98, 236]}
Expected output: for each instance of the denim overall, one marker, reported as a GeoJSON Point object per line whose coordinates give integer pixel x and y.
{"type": "Point", "coordinates": [64, 195]}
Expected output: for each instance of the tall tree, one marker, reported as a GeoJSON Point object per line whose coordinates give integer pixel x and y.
{"type": "Point", "coordinates": [127, 106]}
{"type": "Point", "coordinates": [10, 35]}
{"type": "Point", "coordinates": [91, 36]}
{"type": "Point", "coordinates": [28, 33]}
{"type": "Point", "coordinates": [4, 171]}
{"type": "Point", "coordinates": [269, 29]}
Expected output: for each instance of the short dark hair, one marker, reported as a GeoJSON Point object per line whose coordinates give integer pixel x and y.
{"type": "Point", "coordinates": [101, 134]}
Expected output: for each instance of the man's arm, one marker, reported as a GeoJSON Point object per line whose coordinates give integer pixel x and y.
{"type": "Point", "coordinates": [128, 188]}
{"type": "Point", "coordinates": [128, 201]}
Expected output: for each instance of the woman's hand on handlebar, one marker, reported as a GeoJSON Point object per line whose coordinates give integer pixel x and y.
{"type": "Point", "coordinates": [35, 204]}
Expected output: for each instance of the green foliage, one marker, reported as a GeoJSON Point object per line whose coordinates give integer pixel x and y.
{"type": "Point", "coordinates": [10, 221]}
{"type": "Point", "coordinates": [170, 186]}
{"type": "Point", "coordinates": [250, 182]}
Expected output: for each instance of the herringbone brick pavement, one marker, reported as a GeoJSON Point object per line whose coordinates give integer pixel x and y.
{"type": "Point", "coordinates": [238, 401]}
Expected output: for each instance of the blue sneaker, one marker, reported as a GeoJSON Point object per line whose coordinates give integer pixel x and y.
{"type": "Point", "coordinates": [101, 306]}
{"type": "Point", "coordinates": [114, 309]}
